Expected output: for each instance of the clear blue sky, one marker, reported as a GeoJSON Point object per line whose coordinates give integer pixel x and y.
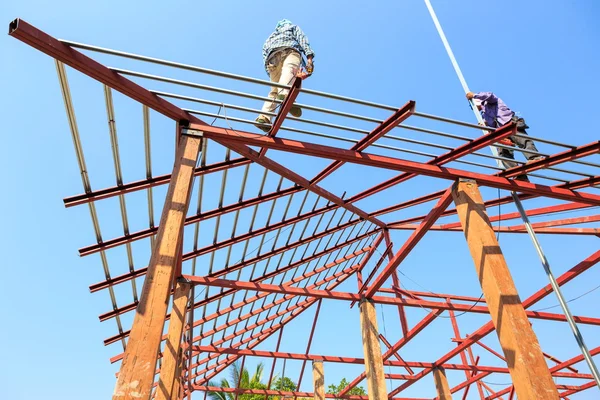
{"type": "Point", "coordinates": [540, 57]}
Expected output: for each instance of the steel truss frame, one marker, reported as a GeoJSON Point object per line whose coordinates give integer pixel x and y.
{"type": "Point", "coordinates": [315, 248]}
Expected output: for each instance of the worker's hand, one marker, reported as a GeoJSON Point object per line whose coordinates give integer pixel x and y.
{"type": "Point", "coordinates": [482, 123]}
{"type": "Point", "coordinates": [470, 95]}
{"type": "Point", "coordinates": [310, 66]}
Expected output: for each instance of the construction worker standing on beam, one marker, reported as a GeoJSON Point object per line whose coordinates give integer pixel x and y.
{"type": "Point", "coordinates": [496, 113]}
{"type": "Point", "coordinates": [283, 55]}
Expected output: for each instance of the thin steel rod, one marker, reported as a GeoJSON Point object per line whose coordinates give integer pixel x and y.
{"type": "Point", "coordinates": [66, 92]}
{"type": "Point", "coordinates": [402, 150]}
{"type": "Point", "coordinates": [304, 90]}
{"type": "Point", "coordinates": [255, 97]}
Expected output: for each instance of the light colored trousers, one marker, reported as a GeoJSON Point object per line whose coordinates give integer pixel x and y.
{"type": "Point", "coordinates": [282, 67]}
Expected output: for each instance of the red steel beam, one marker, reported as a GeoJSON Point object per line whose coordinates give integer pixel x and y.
{"type": "Point", "coordinates": [233, 139]}
{"type": "Point", "coordinates": [281, 324]}
{"type": "Point", "coordinates": [530, 213]}
{"type": "Point", "coordinates": [555, 159]}
{"type": "Point", "coordinates": [413, 293]}
{"type": "Point", "coordinates": [335, 278]}
{"type": "Point", "coordinates": [389, 346]}
{"type": "Point", "coordinates": [85, 251]}
{"type": "Point", "coordinates": [131, 187]}
{"type": "Point", "coordinates": [326, 294]}
{"type": "Point", "coordinates": [560, 222]}
{"type": "Point", "coordinates": [529, 167]}
{"type": "Point", "coordinates": [246, 151]}
{"type": "Point", "coordinates": [411, 203]}
{"type": "Point", "coordinates": [429, 318]}
{"type": "Point", "coordinates": [412, 241]}
{"type": "Point", "coordinates": [131, 306]}
{"type": "Point", "coordinates": [365, 261]}
{"type": "Point", "coordinates": [142, 271]}
{"type": "Point", "coordinates": [284, 394]}
{"type": "Point", "coordinates": [365, 285]}
{"type": "Point", "coordinates": [489, 327]}
{"type": "Point", "coordinates": [508, 229]}
{"type": "Point", "coordinates": [396, 282]}
{"type": "Point", "coordinates": [573, 185]}
{"type": "Point", "coordinates": [310, 339]}
{"type": "Point", "coordinates": [259, 296]}
{"type": "Point", "coordinates": [578, 389]}
{"type": "Point", "coordinates": [556, 368]}
{"type": "Point", "coordinates": [356, 360]}
{"type": "Point", "coordinates": [380, 131]}
{"type": "Point", "coordinates": [461, 151]}
{"type": "Point", "coordinates": [401, 311]}
{"type": "Point", "coordinates": [45, 43]}
{"type": "Point", "coordinates": [284, 109]}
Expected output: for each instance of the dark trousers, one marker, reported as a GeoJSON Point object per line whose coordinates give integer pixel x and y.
{"type": "Point", "coordinates": [521, 142]}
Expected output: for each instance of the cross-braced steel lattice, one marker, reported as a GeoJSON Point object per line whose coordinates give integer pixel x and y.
{"type": "Point", "coordinates": [246, 244]}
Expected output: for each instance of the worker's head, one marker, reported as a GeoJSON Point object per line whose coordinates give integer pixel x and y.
{"type": "Point", "coordinates": [283, 23]}
{"type": "Point", "coordinates": [477, 103]}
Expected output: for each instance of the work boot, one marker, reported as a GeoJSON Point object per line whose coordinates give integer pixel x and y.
{"type": "Point", "coordinates": [295, 110]}
{"type": "Point", "coordinates": [522, 178]}
{"type": "Point", "coordinates": [536, 158]}
{"type": "Point", "coordinates": [263, 123]}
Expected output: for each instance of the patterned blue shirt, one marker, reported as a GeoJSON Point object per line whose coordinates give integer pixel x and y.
{"type": "Point", "coordinates": [284, 37]}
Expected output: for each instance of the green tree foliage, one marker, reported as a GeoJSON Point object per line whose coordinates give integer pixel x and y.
{"type": "Point", "coordinates": [249, 382]}
{"type": "Point", "coordinates": [355, 391]}
{"type": "Point", "coordinates": [246, 382]}
{"type": "Point", "coordinates": [284, 384]}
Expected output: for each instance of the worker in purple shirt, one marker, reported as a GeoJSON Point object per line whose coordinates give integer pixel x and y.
{"type": "Point", "coordinates": [495, 114]}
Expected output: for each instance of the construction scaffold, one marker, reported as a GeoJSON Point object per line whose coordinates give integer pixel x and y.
{"type": "Point", "coordinates": [244, 244]}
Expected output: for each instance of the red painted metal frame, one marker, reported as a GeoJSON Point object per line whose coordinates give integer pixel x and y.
{"type": "Point", "coordinates": [307, 303]}
{"type": "Point", "coordinates": [132, 187]}
{"type": "Point", "coordinates": [286, 105]}
{"type": "Point", "coordinates": [569, 155]}
{"type": "Point", "coordinates": [489, 327]}
{"type": "Point", "coordinates": [310, 339]}
{"type": "Point", "coordinates": [210, 214]}
{"type": "Point", "coordinates": [129, 307]}
{"type": "Point", "coordinates": [380, 131]}
{"type": "Point", "coordinates": [324, 294]}
{"type": "Point", "coordinates": [573, 185]}
{"type": "Point", "coordinates": [239, 141]}
{"type": "Point", "coordinates": [398, 357]}
{"type": "Point", "coordinates": [503, 217]}
{"type": "Point", "coordinates": [509, 229]}
{"type": "Point", "coordinates": [49, 45]}
{"type": "Point", "coordinates": [365, 285]}
{"type": "Point", "coordinates": [412, 241]}
{"type": "Point", "coordinates": [356, 360]}
{"type": "Point", "coordinates": [234, 139]}
{"type": "Point", "coordinates": [285, 394]}
{"type": "Point", "coordinates": [142, 271]}
{"type": "Point", "coordinates": [284, 109]}
{"type": "Point", "coordinates": [461, 151]}
{"type": "Point", "coordinates": [259, 296]}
